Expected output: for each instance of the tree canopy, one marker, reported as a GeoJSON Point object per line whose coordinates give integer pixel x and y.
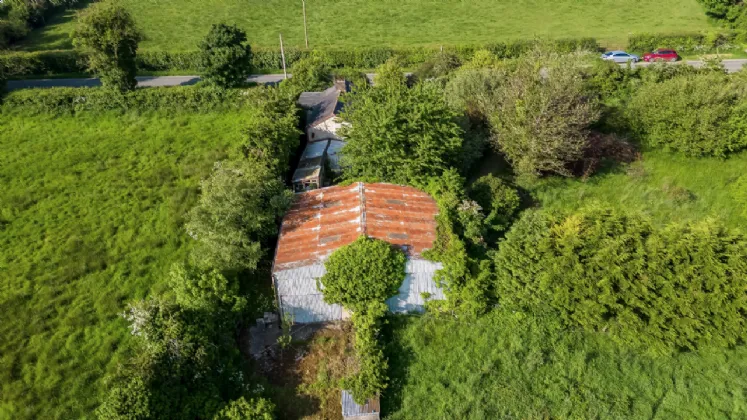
{"type": "Point", "coordinates": [239, 207]}
{"type": "Point", "coordinates": [543, 115]}
{"type": "Point", "coordinates": [226, 58]}
{"type": "Point", "coordinates": [398, 134]}
{"type": "Point", "coordinates": [106, 35]}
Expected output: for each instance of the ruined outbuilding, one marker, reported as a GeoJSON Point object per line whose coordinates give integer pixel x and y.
{"type": "Point", "coordinates": [323, 220]}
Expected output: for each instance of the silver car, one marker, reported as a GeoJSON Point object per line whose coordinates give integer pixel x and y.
{"type": "Point", "coordinates": [620, 57]}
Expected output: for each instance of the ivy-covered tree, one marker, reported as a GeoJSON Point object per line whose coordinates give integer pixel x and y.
{"type": "Point", "coordinates": [238, 209]}
{"type": "Point", "coordinates": [604, 270]}
{"type": "Point", "coordinates": [367, 270]}
{"type": "Point", "coordinates": [398, 134]}
{"type": "Point", "coordinates": [543, 115]}
{"type": "Point", "coordinates": [106, 36]}
{"type": "Point", "coordinates": [360, 277]}
{"type": "Point", "coordinates": [226, 58]}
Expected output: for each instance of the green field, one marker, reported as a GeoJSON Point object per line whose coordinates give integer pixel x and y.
{"type": "Point", "coordinates": [91, 217]}
{"type": "Point", "coordinates": [517, 366]}
{"type": "Point", "coordinates": [180, 24]}
{"type": "Point", "coordinates": [667, 187]}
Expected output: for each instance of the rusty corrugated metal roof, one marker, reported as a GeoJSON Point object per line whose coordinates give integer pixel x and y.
{"type": "Point", "coordinates": [323, 220]}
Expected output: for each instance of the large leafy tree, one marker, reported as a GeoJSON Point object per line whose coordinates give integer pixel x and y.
{"type": "Point", "coordinates": [238, 209]}
{"type": "Point", "coordinates": [106, 35]}
{"type": "Point", "coordinates": [226, 58]}
{"type": "Point", "coordinates": [543, 114]}
{"type": "Point", "coordinates": [604, 270]}
{"type": "Point", "coordinates": [399, 134]}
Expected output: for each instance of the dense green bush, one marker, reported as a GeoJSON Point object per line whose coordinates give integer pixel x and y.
{"type": "Point", "coordinates": [682, 287]}
{"type": "Point", "coordinates": [225, 56]}
{"type": "Point", "coordinates": [543, 113]}
{"type": "Point", "coordinates": [739, 192]}
{"type": "Point", "coordinates": [398, 134]}
{"type": "Point", "coordinates": [311, 74]}
{"type": "Point", "coordinates": [699, 115]}
{"type": "Point", "coordinates": [368, 270]}
{"type": "Point", "coordinates": [107, 37]}
{"type": "Point", "coordinates": [241, 409]}
{"type": "Point", "coordinates": [239, 208]}
{"type": "Point", "coordinates": [684, 43]}
{"type": "Point", "coordinates": [18, 17]}
{"type": "Point", "coordinates": [439, 65]}
{"type": "Point", "coordinates": [19, 64]}
{"type": "Point", "coordinates": [498, 200]}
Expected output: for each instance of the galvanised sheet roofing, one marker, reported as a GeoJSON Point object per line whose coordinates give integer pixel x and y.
{"type": "Point", "coordinates": [351, 409]}
{"type": "Point", "coordinates": [323, 220]}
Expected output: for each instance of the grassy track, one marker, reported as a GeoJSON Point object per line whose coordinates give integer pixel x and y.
{"type": "Point", "coordinates": [180, 24]}
{"type": "Point", "coordinates": [665, 186]}
{"type": "Point", "coordinates": [517, 366]}
{"type": "Point", "coordinates": [91, 216]}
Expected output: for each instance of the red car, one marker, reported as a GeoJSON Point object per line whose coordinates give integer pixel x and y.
{"type": "Point", "coordinates": [661, 55]}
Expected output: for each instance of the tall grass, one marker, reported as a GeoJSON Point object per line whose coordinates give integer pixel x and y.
{"type": "Point", "coordinates": [667, 187]}
{"type": "Point", "coordinates": [91, 216]}
{"type": "Point", "coordinates": [521, 366]}
{"type": "Point", "coordinates": [180, 24]}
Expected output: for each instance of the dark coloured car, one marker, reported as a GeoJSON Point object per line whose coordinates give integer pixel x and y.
{"type": "Point", "coordinates": [661, 54]}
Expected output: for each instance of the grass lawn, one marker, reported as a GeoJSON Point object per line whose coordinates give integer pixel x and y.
{"type": "Point", "coordinates": [180, 24]}
{"type": "Point", "coordinates": [667, 187]}
{"type": "Point", "coordinates": [91, 217]}
{"type": "Point", "coordinates": [518, 366]}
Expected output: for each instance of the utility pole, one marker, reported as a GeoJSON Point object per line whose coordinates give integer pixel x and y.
{"type": "Point", "coordinates": [305, 31]}
{"type": "Point", "coordinates": [282, 54]}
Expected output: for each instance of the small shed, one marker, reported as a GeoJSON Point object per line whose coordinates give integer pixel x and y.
{"type": "Point", "coordinates": [371, 410]}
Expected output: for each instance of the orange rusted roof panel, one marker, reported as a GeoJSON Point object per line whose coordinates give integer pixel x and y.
{"type": "Point", "coordinates": [320, 221]}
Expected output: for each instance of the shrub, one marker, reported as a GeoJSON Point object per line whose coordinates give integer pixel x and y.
{"type": "Point", "coordinates": [241, 409]}
{"type": "Point", "coordinates": [272, 136]}
{"type": "Point", "coordinates": [699, 115]}
{"type": "Point", "coordinates": [239, 207]}
{"type": "Point", "coordinates": [604, 270]}
{"type": "Point", "coordinates": [106, 35]}
{"type": "Point", "coordinates": [543, 115]}
{"type": "Point", "coordinates": [309, 75]}
{"type": "Point", "coordinates": [398, 134]}
{"type": "Point", "coordinates": [498, 200]}
{"type": "Point", "coordinates": [367, 270]}
{"type": "Point", "coordinates": [439, 65]}
{"type": "Point", "coordinates": [205, 289]}
{"type": "Point", "coordinates": [225, 58]}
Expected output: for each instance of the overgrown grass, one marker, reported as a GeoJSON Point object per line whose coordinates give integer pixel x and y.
{"type": "Point", "coordinates": [518, 366]}
{"type": "Point", "coordinates": [91, 217]}
{"type": "Point", "coordinates": [180, 24]}
{"type": "Point", "coordinates": [667, 187]}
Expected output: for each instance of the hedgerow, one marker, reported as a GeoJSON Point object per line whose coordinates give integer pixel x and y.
{"type": "Point", "coordinates": [269, 59]}
{"type": "Point", "coordinates": [684, 43]}
{"type": "Point", "coordinates": [699, 115]}
{"type": "Point", "coordinates": [681, 287]}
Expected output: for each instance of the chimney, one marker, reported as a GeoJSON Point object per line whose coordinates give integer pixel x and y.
{"type": "Point", "coordinates": [341, 84]}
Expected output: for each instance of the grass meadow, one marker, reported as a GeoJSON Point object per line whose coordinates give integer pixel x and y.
{"type": "Point", "coordinates": [667, 187]}
{"type": "Point", "coordinates": [181, 24]}
{"type": "Point", "coordinates": [519, 366]}
{"type": "Point", "coordinates": [91, 217]}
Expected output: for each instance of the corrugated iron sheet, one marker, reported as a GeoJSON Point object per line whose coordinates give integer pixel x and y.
{"type": "Point", "coordinates": [351, 409]}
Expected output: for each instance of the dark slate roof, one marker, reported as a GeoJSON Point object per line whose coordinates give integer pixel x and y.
{"type": "Point", "coordinates": [321, 105]}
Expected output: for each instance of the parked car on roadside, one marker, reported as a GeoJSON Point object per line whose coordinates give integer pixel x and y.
{"type": "Point", "coordinates": [661, 54]}
{"type": "Point", "coordinates": [620, 57]}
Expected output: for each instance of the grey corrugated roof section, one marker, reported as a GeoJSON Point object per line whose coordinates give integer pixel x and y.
{"type": "Point", "coordinates": [299, 296]}
{"type": "Point", "coordinates": [351, 409]}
